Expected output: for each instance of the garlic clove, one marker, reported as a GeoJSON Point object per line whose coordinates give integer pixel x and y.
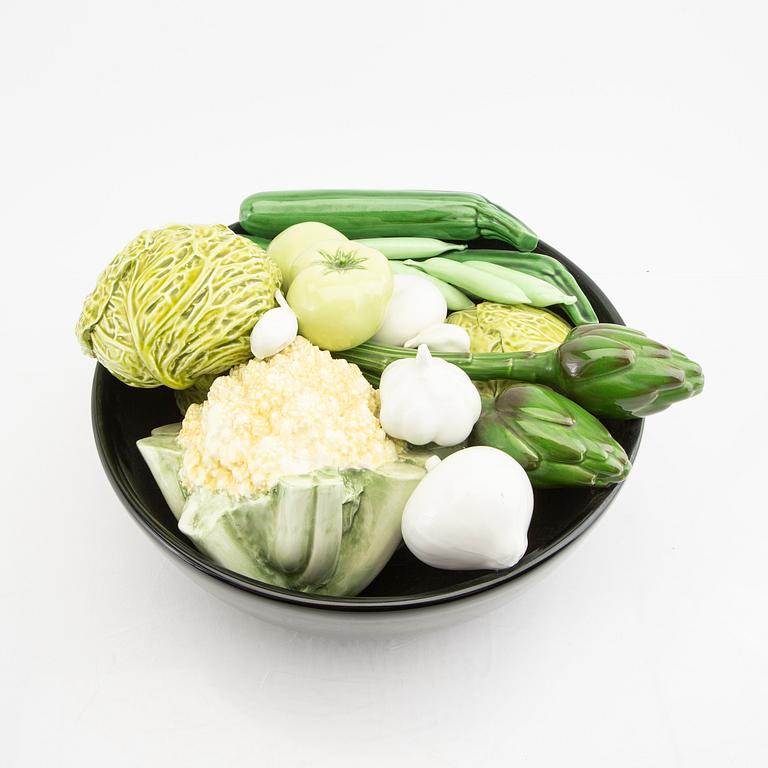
{"type": "Point", "coordinates": [274, 330]}
{"type": "Point", "coordinates": [441, 337]}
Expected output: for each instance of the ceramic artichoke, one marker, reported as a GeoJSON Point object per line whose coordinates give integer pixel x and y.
{"type": "Point", "coordinates": [556, 441]}
{"type": "Point", "coordinates": [619, 373]}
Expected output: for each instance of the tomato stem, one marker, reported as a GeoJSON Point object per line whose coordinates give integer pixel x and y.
{"type": "Point", "coordinates": [342, 260]}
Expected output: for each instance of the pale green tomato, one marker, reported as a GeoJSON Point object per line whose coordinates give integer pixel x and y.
{"type": "Point", "coordinates": [297, 238]}
{"type": "Point", "coordinates": [340, 295]}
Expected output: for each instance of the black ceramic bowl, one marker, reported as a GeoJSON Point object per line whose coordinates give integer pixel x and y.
{"type": "Point", "coordinates": [123, 414]}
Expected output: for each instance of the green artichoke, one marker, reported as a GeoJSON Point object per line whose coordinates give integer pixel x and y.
{"type": "Point", "coordinates": [557, 442]}
{"type": "Point", "coordinates": [612, 371]}
{"type": "Point", "coordinates": [176, 304]}
{"type": "Point", "coordinates": [619, 373]}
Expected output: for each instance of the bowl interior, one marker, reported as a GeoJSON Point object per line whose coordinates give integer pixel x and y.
{"type": "Point", "coordinates": [123, 414]}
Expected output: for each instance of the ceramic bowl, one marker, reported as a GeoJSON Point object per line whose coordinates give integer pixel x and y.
{"type": "Point", "coordinates": [406, 593]}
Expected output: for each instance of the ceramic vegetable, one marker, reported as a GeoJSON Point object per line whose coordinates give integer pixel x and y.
{"type": "Point", "coordinates": [274, 330]}
{"type": "Point", "coordinates": [442, 337]}
{"type": "Point", "coordinates": [176, 304]}
{"type": "Point", "coordinates": [545, 268]}
{"type": "Point", "coordinates": [340, 294]}
{"type": "Point", "coordinates": [459, 216]}
{"type": "Point", "coordinates": [285, 475]}
{"type": "Point", "coordinates": [613, 371]}
{"type": "Point", "coordinates": [539, 292]}
{"type": "Point", "coordinates": [471, 511]}
{"type": "Point", "coordinates": [501, 328]}
{"type": "Point", "coordinates": [619, 373]}
{"type": "Point", "coordinates": [427, 400]}
{"type": "Point", "coordinates": [391, 247]}
{"type": "Point", "coordinates": [328, 532]}
{"type": "Point", "coordinates": [410, 247]}
{"type": "Point", "coordinates": [296, 239]}
{"type": "Point", "coordinates": [415, 305]}
{"type": "Point", "coordinates": [471, 280]}
{"type": "Point", "coordinates": [556, 442]}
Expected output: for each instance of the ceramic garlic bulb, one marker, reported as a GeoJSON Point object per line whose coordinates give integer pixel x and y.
{"type": "Point", "coordinates": [427, 400]}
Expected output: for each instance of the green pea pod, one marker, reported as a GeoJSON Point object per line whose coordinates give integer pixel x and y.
{"type": "Point", "coordinates": [400, 248]}
{"type": "Point", "coordinates": [542, 266]}
{"type": "Point", "coordinates": [540, 292]}
{"type": "Point", "coordinates": [471, 280]}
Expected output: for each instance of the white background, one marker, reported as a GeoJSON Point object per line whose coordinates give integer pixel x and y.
{"type": "Point", "coordinates": [630, 136]}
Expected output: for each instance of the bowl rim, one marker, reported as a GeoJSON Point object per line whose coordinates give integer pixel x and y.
{"type": "Point", "coordinates": [196, 560]}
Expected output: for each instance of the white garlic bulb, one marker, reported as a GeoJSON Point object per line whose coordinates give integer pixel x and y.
{"type": "Point", "coordinates": [427, 400]}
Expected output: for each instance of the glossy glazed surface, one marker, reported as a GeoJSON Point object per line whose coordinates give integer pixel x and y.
{"type": "Point", "coordinates": [122, 415]}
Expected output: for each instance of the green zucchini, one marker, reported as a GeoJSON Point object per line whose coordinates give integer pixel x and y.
{"type": "Point", "coordinates": [460, 216]}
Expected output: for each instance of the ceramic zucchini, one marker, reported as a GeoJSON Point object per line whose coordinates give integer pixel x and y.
{"type": "Point", "coordinates": [459, 216]}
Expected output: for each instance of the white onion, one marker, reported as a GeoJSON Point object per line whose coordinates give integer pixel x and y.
{"type": "Point", "coordinates": [416, 304]}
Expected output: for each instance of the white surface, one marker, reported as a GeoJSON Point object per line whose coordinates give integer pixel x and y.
{"type": "Point", "coordinates": [631, 137]}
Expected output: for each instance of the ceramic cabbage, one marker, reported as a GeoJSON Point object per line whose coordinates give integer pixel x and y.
{"type": "Point", "coordinates": [176, 304]}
